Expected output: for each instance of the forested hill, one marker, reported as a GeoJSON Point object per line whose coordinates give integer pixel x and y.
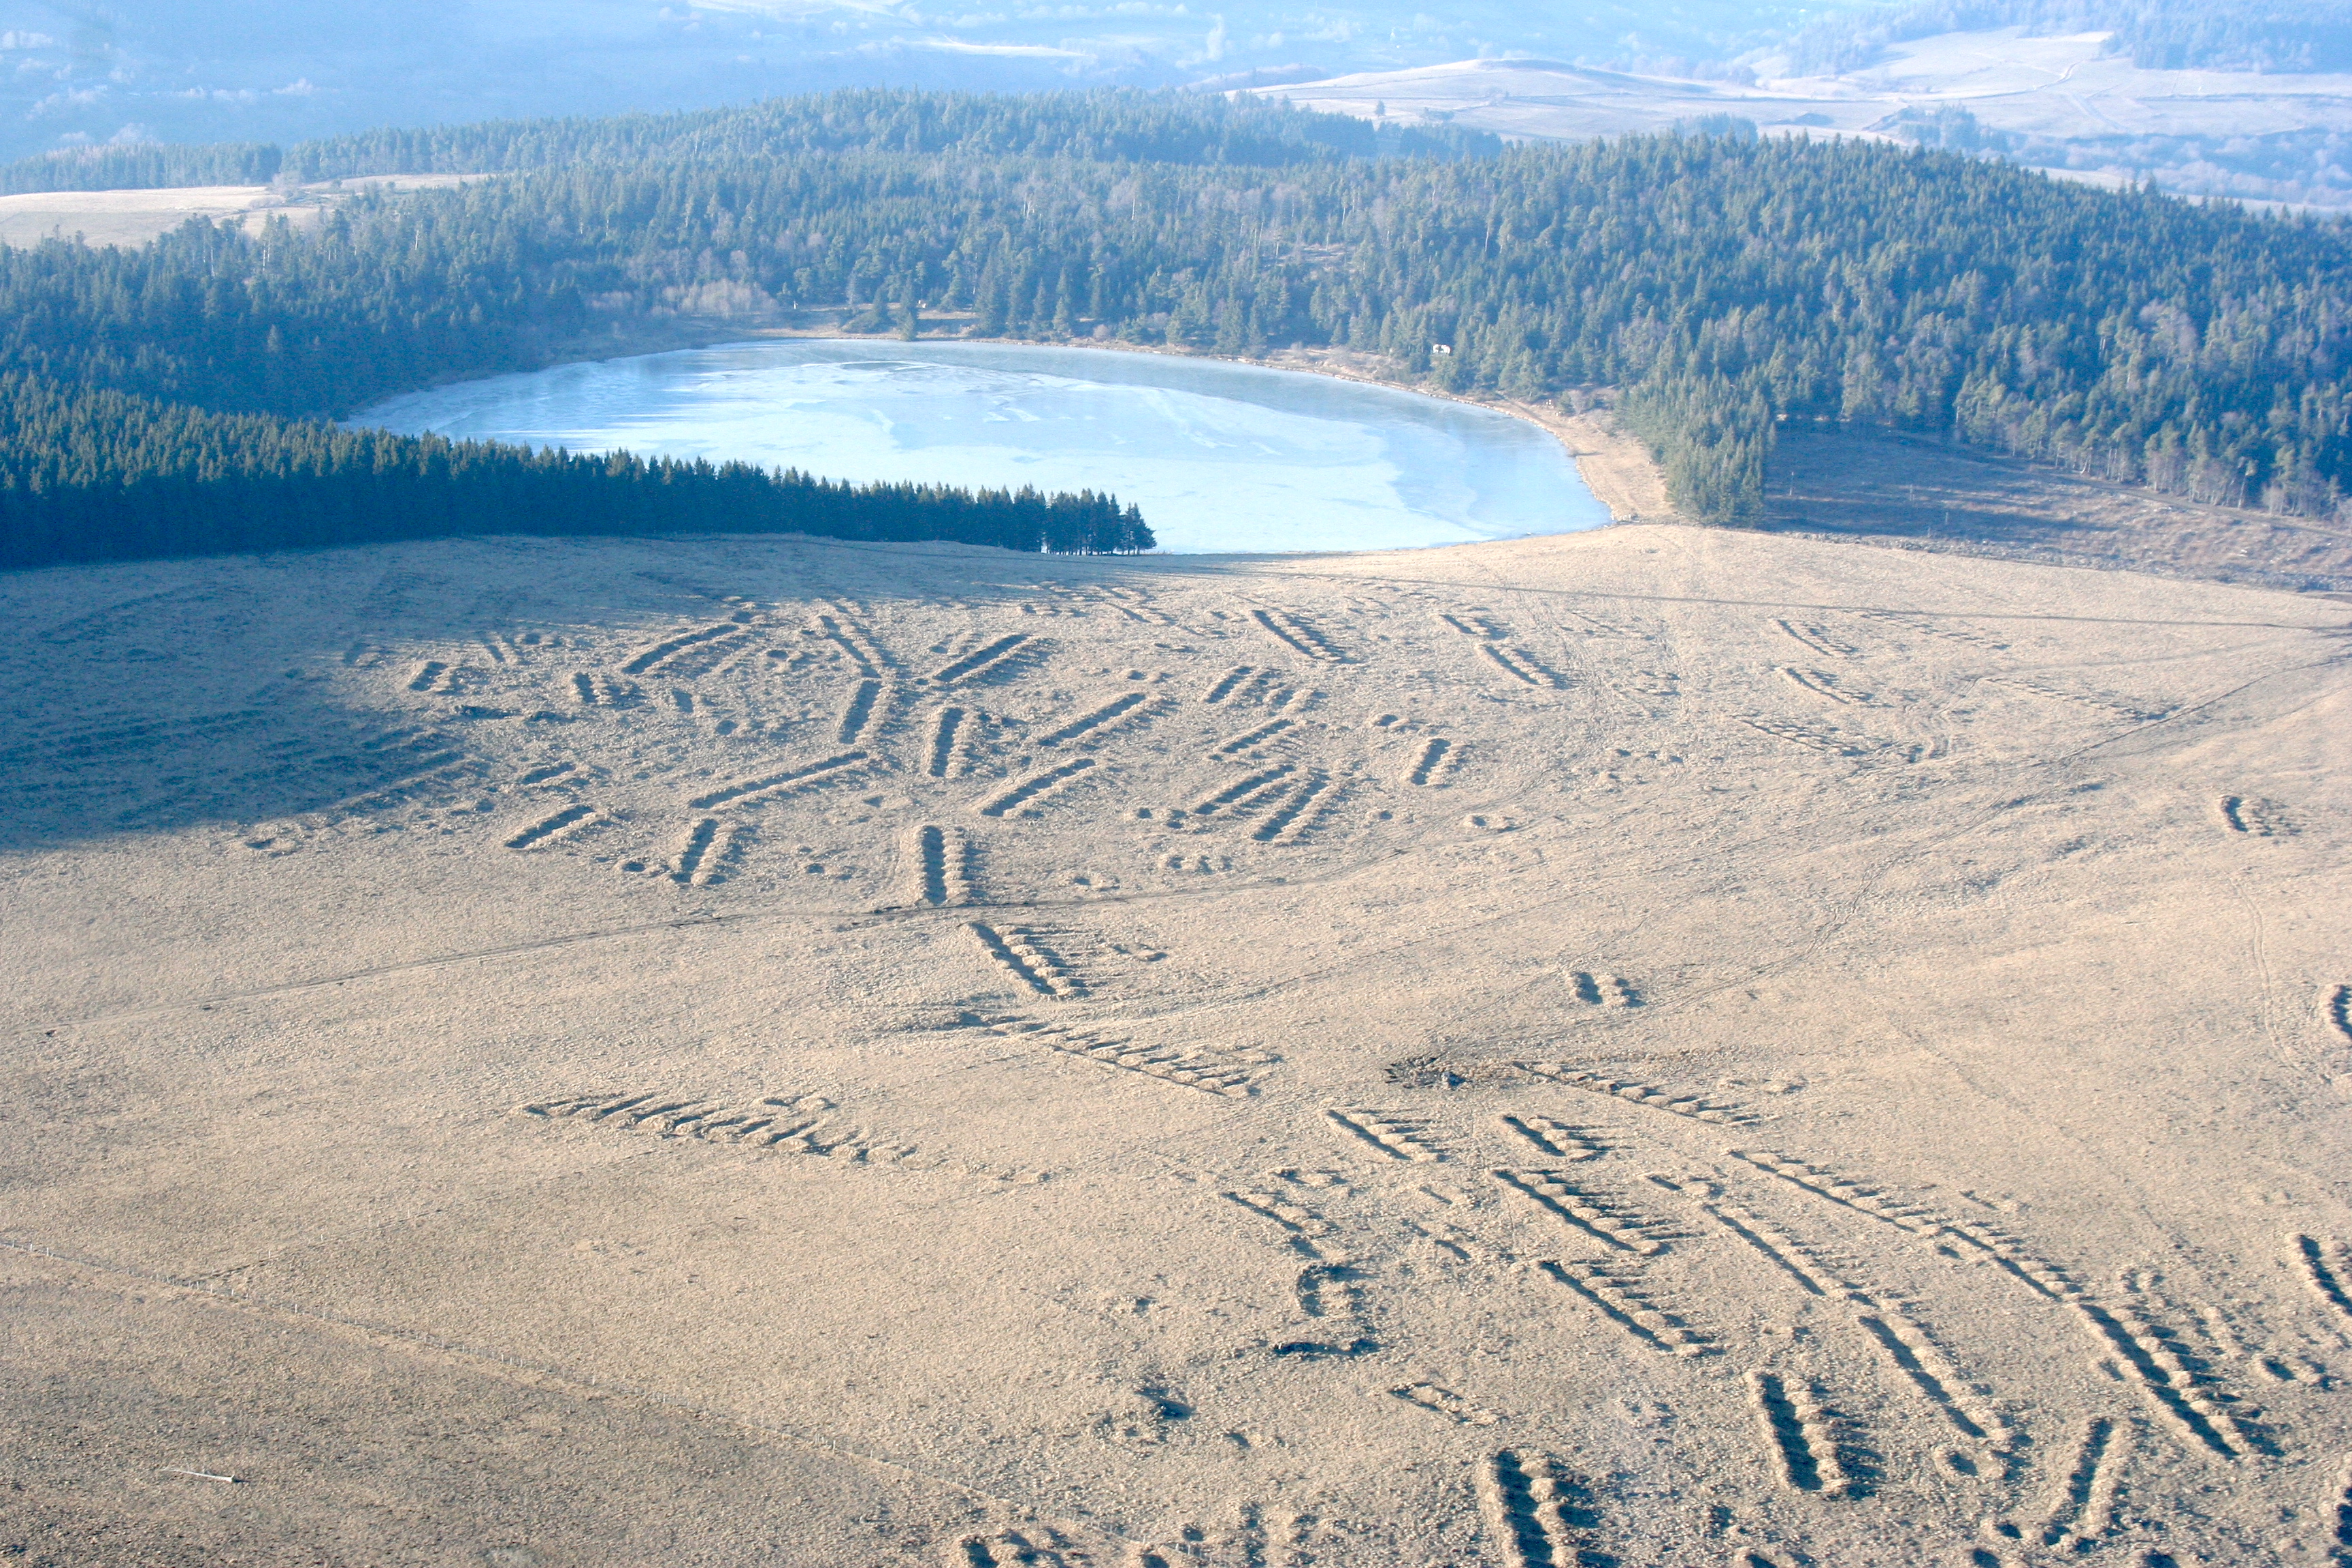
{"type": "Point", "coordinates": [1107, 126]}
{"type": "Point", "coordinates": [1722, 286]}
{"type": "Point", "coordinates": [141, 166]}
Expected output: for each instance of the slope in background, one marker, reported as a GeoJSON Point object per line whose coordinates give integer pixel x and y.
{"type": "Point", "coordinates": [272, 71]}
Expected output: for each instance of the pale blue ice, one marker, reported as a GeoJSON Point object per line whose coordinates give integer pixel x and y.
{"type": "Point", "coordinates": [1221, 456]}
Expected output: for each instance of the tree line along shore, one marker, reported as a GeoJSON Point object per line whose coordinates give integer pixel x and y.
{"type": "Point", "coordinates": [1712, 288]}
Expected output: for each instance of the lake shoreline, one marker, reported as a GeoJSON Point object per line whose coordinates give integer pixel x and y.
{"type": "Point", "coordinates": [1371, 466]}
{"type": "Point", "coordinates": [1617, 469]}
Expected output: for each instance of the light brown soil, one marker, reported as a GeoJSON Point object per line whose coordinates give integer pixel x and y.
{"type": "Point", "coordinates": [1617, 469]}
{"type": "Point", "coordinates": [742, 1051]}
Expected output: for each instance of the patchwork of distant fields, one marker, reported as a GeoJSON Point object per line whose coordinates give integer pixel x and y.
{"type": "Point", "coordinates": [2061, 103]}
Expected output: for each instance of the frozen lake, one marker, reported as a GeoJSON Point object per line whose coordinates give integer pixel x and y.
{"type": "Point", "coordinates": [1221, 456]}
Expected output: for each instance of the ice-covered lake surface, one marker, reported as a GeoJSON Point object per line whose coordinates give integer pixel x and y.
{"type": "Point", "coordinates": [1221, 456]}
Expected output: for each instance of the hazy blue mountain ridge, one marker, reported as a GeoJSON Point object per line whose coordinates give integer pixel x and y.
{"type": "Point", "coordinates": [270, 70]}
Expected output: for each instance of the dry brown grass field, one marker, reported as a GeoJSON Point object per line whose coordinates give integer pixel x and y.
{"type": "Point", "coordinates": [1661, 1046]}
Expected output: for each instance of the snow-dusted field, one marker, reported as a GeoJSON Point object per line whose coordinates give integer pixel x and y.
{"type": "Point", "coordinates": [2052, 93]}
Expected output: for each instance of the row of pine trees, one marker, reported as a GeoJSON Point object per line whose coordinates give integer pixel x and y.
{"type": "Point", "coordinates": [90, 475]}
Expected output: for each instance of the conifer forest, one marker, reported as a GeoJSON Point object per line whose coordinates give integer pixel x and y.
{"type": "Point", "coordinates": [1713, 289]}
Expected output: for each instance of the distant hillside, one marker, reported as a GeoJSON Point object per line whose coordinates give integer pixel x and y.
{"type": "Point", "coordinates": [1716, 286]}
{"type": "Point", "coordinates": [2155, 34]}
{"type": "Point", "coordinates": [271, 70]}
{"type": "Point", "coordinates": [1119, 126]}
{"type": "Point", "coordinates": [2204, 111]}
